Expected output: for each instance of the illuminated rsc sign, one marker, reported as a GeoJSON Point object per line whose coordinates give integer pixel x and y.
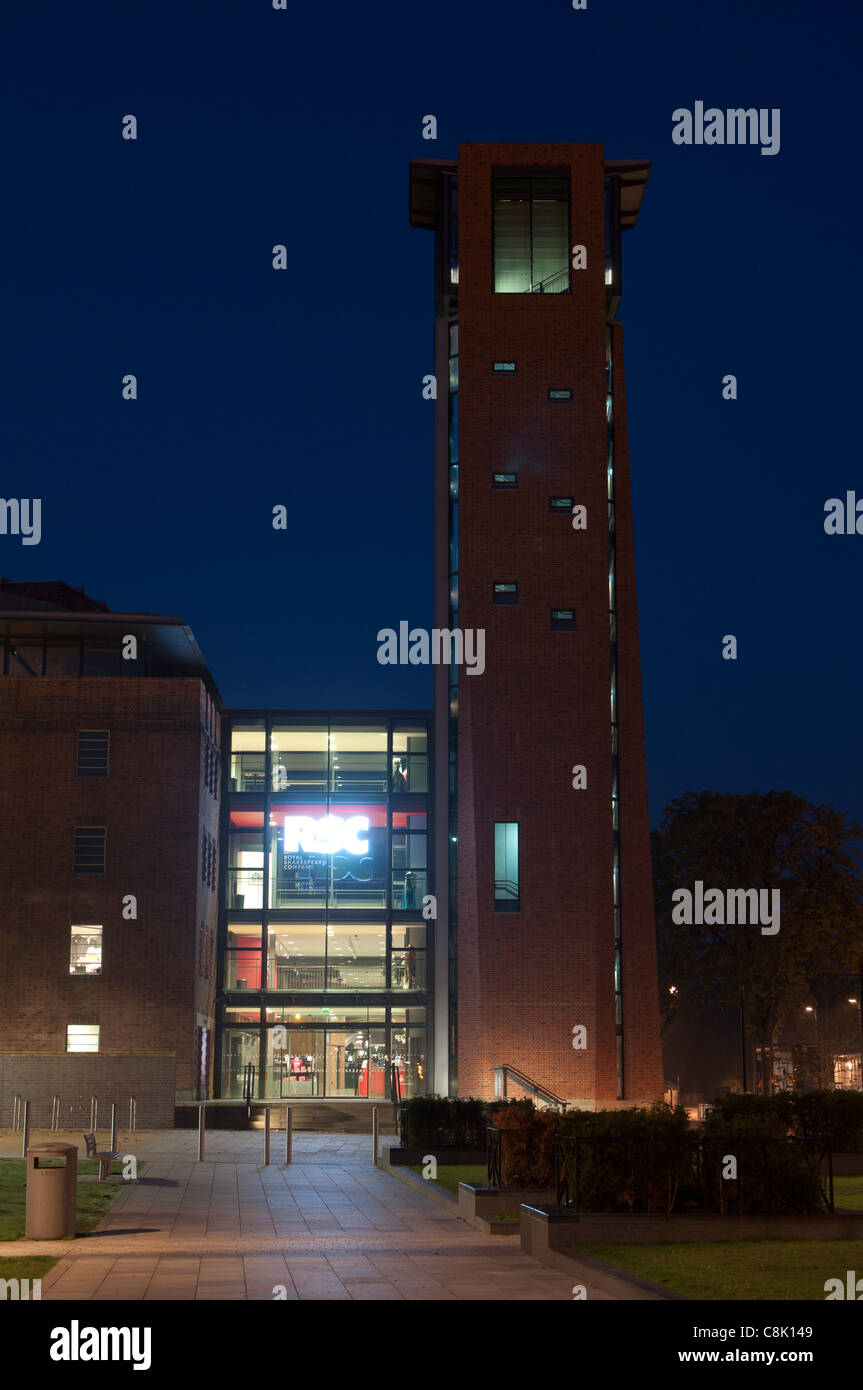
{"type": "Point", "coordinates": [329, 835]}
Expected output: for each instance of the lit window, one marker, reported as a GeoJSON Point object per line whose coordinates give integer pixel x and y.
{"type": "Point", "coordinates": [531, 233]}
{"type": "Point", "coordinates": [502, 368]}
{"type": "Point", "coordinates": [506, 889]}
{"type": "Point", "coordinates": [560, 394]}
{"type": "Point", "coordinates": [563, 619]}
{"type": "Point", "coordinates": [82, 1037]}
{"type": "Point", "coordinates": [85, 956]}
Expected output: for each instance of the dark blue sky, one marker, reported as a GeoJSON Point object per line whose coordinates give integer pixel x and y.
{"type": "Point", "coordinates": [302, 387]}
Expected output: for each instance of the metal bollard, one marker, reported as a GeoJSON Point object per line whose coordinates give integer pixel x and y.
{"type": "Point", "coordinates": [202, 1121]}
{"type": "Point", "coordinates": [289, 1132]}
{"type": "Point", "coordinates": [94, 1113]}
{"type": "Point", "coordinates": [374, 1134]}
{"type": "Point", "coordinates": [55, 1112]}
{"type": "Point", "coordinates": [113, 1126]}
{"type": "Point", "coordinates": [133, 1114]}
{"type": "Point", "coordinates": [266, 1135]}
{"type": "Point", "coordinates": [25, 1143]}
{"type": "Point", "coordinates": [16, 1112]}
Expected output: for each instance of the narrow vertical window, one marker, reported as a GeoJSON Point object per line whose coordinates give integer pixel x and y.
{"type": "Point", "coordinates": [85, 954]}
{"type": "Point", "coordinates": [88, 854]}
{"type": "Point", "coordinates": [93, 752]}
{"type": "Point", "coordinates": [506, 887]}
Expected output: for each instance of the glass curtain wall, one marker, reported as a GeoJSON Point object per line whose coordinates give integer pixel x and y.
{"type": "Point", "coordinates": [327, 872]}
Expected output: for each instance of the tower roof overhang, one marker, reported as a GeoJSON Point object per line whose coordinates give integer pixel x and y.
{"type": "Point", "coordinates": [424, 181]}
{"type": "Point", "coordinates": [633, 175]}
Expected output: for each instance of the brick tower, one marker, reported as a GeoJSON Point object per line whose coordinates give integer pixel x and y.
{"type": "Point", "coordinates": [547, 916]}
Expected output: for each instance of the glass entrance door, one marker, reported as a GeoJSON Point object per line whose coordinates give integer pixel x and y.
{"type": "Point", "coordinates": [240, 1048]}
{"type": "Point", "coordinates": [357, 1062]}
{"type": "Point", "coordinates": [295, 1063]}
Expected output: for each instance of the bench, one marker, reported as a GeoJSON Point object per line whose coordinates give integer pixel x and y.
{"type": "Point", "coordinates": [104, 1158]}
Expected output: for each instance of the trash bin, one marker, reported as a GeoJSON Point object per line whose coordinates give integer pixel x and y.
{"type": "Point", "coordinates": [51, 1191]}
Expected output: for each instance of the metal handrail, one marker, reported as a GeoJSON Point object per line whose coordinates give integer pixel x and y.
{"type": "Point", "coordinates": [504, 1070]}
{"type": "Point", "coordinates": [493, 1155]}
{"type": "Point", "coordinates": [539, 287]}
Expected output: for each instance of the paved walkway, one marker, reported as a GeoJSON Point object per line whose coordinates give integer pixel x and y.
{"type": "Point", "coordinates": [329, 1226]}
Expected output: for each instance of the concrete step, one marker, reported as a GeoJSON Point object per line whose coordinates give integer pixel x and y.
{"type": "Point", "coordinates": [328, 1117]}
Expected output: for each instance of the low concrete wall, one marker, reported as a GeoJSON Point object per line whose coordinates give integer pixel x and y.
{"type": "Point", "coordinates": [596, 1228]}
{"type": "Point", "coordinates": [546, 1235]}
{"type": "Point", "coordinates": [478, 1206]}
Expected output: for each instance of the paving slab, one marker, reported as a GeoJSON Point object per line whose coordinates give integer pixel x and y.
{"type": "Point", "coordinates": [331, 1226]}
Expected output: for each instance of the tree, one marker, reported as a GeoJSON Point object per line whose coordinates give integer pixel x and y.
{"type": "Point", "coordinates": [773, 840]}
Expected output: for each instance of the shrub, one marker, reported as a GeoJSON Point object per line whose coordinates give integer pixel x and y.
{"type": "Point", "coordinates": [445, 1122]}
{"type": "Point", "coordinates": [527, 1143]}
{"type": "Point", "coordinates": [631, 1160]}
{"type": "Point", "coordinates": [773, 1172]}
{"type": "Point", "coordinates": [837, 1115]}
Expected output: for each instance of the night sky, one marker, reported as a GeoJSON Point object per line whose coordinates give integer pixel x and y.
{"type": "Point", "coordinates": [303, 387]}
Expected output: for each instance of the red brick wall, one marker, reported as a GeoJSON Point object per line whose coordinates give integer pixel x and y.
{"type": "Point", "coordinates": [154, 805]}
{"type": "Point", "coordinates": [525, 979]}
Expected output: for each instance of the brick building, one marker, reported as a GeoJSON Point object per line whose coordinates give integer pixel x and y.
{"type": "Point", "coordinates": [549, 898]}
{"type": "Point", "coordinates": [168, 865]}
{"type": "Point", "coordinates": [109, 785]}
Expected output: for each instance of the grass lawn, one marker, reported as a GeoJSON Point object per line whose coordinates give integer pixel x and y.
{"type": "Point", "coordinates": [737, 1269]}
{"type": "Point", "coordinates": [848, 1192]}
{"type": "Point", "coordinates": [94, 1198]}
{"type": "Point", "coordinates": [26, 1269]}
{"type": "Point", "coordinates": [449, 1175]}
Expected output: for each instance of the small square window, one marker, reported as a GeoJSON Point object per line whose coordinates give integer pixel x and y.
{"type": "Point", "coordinates": [563, 619]}
{"type": "Point", "coordinates": [559, 394]}
{"type": "Point", "coordinates": [82, 1037]}
{"type": "Point", "coordinates": [506, 593]}
{"type": "Point", "coordinates": [503, 368]}
{"type": "Point", "coordinates": [560, 504]}
{"type": "Point", "coordinates": [504, 479]}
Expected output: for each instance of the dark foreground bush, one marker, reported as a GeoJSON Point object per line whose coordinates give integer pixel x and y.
{"type": "Point", "coordinates": [838, 1115]}
{"type": "Point", "coordinates": [834, 1115]}
{"type": "Point", "coordinates": [438, 1121]}
{"type": "Point", "coordinates": [645, 1160]}
{"type": "Point", "coordinates": [447, 1123]}
{"type": "Point", "coordinates": [751, 1163]}
{"type": "Point", "coordinates": [632, 1160]}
